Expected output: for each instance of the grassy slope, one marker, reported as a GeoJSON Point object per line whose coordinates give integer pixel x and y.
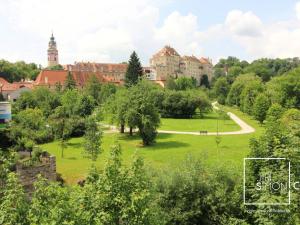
{"type": "Point", "coordinates": [169, 151]}
{"type": "Point", "coordinates": [208, 123]}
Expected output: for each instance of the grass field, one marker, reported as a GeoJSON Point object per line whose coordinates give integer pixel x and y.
{"type": "Point", "coordinates": [208, 123]}
{"type": "Point", "coordinates": [2, 126]}
{"type": "Point", "coordinates": [168, 152]}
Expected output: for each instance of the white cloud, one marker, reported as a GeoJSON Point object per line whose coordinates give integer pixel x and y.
{"type": "Point", "coordinates": [279, 39]}
{"type": "Point", "coordinates": [244, 24]}
{"type": "Point", "coordinates": [298, 10]}
{"type": "Point", "coordinates": [181, 32]}
{"type": "Point", "coordinates": [100, 30]}
{"type": "Point", "coordinates": [86, 30]}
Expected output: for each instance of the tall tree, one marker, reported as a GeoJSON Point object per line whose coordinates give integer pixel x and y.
{"type": "Point", "coordinates": [260, 107]}
{"type": "Point", "coordinates": [61, 126]}
{"type": "Point", "coordinates": [70, 82]}
{"type": "Point", "coordinates": [92, 139]}
{"type": "Point", "coordinates": [204, 81]}
{"type": "Point", "coordinates": [134, 70]}
{"type": "Point", "coordinates": [221, 89]}
{"type": "Point", "coordinates": [93, 88]}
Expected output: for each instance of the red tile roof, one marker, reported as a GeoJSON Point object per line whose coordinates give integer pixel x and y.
{"type": "Point", "coordinates": [15, 85]}
{"type": "Point", "coordinates": [3, 81]}
{"type": "Point", "coordinates": [167, 51]}
{"type": "Point", "coordinates": [52, 77]}
{"type": "Point", "coordinates": [190, 58]}
{"type": "Point", "coordinates": [205, 60]}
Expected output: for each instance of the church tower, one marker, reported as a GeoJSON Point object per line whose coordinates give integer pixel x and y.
{"type": "Point", "coordinates": [52, 52]}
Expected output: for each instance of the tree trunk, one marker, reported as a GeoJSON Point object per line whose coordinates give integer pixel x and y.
{"type": "Point", "coordinates": [122, 130]}
{"type": "Point", "coordinates": [130, 131]}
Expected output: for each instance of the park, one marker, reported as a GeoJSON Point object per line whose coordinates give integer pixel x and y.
{"type": "Point", "coordinates": [169, 150]}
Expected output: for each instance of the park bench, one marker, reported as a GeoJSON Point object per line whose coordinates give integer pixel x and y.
{"type": "Point", "coordinates": [203, 132]}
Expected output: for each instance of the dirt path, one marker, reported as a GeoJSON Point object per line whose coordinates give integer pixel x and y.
{"type": "Point", "coordinates": [245, 128]}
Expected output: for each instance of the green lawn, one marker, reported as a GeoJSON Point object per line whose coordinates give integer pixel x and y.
{"type": "Point", "coordinates": [208, 123]}
{"type": "Point", "coordinates": [169, 151]}
{"type": "Point", "coordinates": [2, 126]}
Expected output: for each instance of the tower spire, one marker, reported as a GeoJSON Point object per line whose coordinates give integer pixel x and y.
{"type": "Point", "coordinates": [52, 52]}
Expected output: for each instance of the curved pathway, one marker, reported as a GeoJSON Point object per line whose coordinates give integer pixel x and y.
{"type": "Point", "coordinates": [245, 128]}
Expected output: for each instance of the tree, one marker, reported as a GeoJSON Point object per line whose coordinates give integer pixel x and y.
{"type": "Point", "coordinates": [275, 112]}
{"type": "Point", "coordinates": [1, 97]}
{"type": "Point", "coordinates": [134, 70]}
{"type": "Point", "coordinates": [61, 125]}
{"type": "Point", "coordinates": [116, 108]}
{"type": "Point", "coordinates": [70, 82]}
{"type": "Point", "coordinates": [204, 81]}
{"type": "Point", "coordinates": [92, 139]}
{"type": "Point", "coordinates": [51, 204]}
{"type": "Point", "coordinates": [185, 83]}
{"type": "Point", "coordinates": [93, 88]}
{"type": "Point", "coordinates": [221, 89]}
{"type": "Point", "coordinates": [291, 120]}
{"type": "Point", "coordinates": [260, 107]}
{"type": "Point", "coordinates": [147, 118]}
{"type": "Point", "coordinates": [106, 91]}
{"type": "Point", "coordinates": [170, 83]}
{"type": "Point", "coordinates": [118, 195]}
{"type": "Point", "coordinates": [234, 95]}
{"type": "Point", "coordinates": [250, 91]}
{"type": "Point", "coordinates": [56, 67]}
{"type": "Point", "coordinates": [13, 205]}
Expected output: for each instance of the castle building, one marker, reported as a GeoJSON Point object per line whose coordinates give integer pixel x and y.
{"type": "Point", "coordinates": [52, 52]}
{"type": "Point", "coordinates": [168, 63]}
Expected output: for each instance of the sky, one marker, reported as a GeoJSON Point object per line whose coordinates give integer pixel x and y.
{"type": "Point", "coordinates": [108, 31]}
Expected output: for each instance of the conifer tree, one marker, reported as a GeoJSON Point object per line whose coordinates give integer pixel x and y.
{"type": "Point", "coordinates": [134, 70]}
{"type": "Point", "coordinates": [70, 82]}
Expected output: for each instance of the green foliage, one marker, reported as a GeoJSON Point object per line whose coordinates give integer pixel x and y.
{"type": "Point", "coordinates": [28, 128]}
{"type": "Point", "coordinates": [276, 142]}
{"type": "Point", "coordinates": [92, 137]}
{"type": "Point", "coordinates": [234, 95]}
{"type": "Point", "coordinates": [185, 83]}
{"type": "Point", "coordinates": [291, 120]}
{"type": "Point", "coordinates": [275, 112]}
{"type": "Point", "coordinates": [221, 89]}
{"type": "Point", "coordinates": [61, 125]}
{"type": "Point", "coordinates": [143, 113]}
{"type": "Point", "coordinates": [134, 70]}
{"type": "Point", "coordinates": [107, 90]}
{"type": "Point", "coordinates": [170, 83]}
{"type": "Point", "coordinates": [260, 107]}
{"type": "Point", "coordinates": [117, 195]}
{"type": "Point", "coordinates": [93, 88]}
{"type": "Point", "coordinates": [56, 67]}
{"type": "Point", "coordinates": [70, 82]}
{"type": "Point", "coordinates": [42, 98]}
{"type": "Point", "coordinates": [18, 70]}
{"type": "Point", "coordinates": [191, 195]}
{"type": "Point", "coordinates": [204, 81]}
{"type": "Point", "coordinates": [285, 89]}
{"type": "Point", "coordinates": [250, 91]}
{"type": "Point", "coordinates": [1, 97]}
{"type": "Point", "coordinates": [51, 204]}
{"type": "Point", "coordinates": [13, 206]}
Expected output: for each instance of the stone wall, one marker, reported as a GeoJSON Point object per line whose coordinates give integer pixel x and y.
{"type": "Point", "coordinates": [28, 174]}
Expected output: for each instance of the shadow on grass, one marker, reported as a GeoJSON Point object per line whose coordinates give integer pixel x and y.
{"type": "Point", "coordinates": [72, 158]}
{"type": "Point", "coordinates": [168, 145]}
{"type": "Point", "coordinates": [75, 145]}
